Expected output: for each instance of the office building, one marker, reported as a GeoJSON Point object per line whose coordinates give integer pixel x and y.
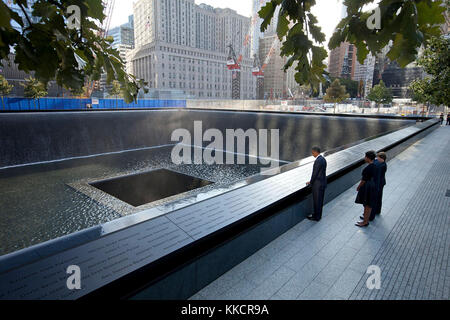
{"type": "Point", "coordinates": [183, 46]}
{"type": "Point", "coordinates": [275, 79]}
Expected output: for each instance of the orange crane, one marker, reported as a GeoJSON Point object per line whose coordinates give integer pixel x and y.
{"type": "Point", "coordinates": [108, 11]}
{"type": "Point", "coordinates": [258, 72]}
{"type": "Point", "coordinates": [232, 62]}
{"type": "Point", "coordinates": [233, 65]}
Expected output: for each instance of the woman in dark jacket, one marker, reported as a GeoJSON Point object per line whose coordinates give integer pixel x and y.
{"type": "Point", "coordinates": [367, 193]}
{"type": "Point", "coordinates": [382, 167]}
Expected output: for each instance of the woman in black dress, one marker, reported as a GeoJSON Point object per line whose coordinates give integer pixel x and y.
{"type": "Point", "coordinates": [367, 193]}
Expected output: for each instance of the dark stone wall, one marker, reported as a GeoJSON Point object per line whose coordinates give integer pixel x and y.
{"type": "Point", "coordinates": [36, 137]}
{"type": "Point", "coordinates": [286, 215]}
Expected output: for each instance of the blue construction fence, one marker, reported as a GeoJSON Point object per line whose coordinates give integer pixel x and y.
{"type": "Point", "coordinates": [19, 104]}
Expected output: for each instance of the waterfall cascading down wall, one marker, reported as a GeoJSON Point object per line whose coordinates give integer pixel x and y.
{"type": "Point", "coordinates": [39, 137]}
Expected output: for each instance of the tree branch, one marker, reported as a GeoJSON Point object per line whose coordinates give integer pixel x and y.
{"type": "Point", "coordinates": [25, 13]}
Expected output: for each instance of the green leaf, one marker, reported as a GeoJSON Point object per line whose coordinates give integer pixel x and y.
{"type": "Point", "coordinates": [282, 26]}
{"type": "Point", "coordinates": [52, 51]}
{"type": "Point", "coordinates": [266, 13]}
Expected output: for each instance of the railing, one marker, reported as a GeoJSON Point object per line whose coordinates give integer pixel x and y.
{"type": "Point", "coordinates": [46, 104]}
{"type": "Point", "coordinates": [303, 105]}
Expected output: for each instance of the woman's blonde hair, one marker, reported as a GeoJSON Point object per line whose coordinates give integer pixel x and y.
{"type": "Point", "coordinates": [382, 155]}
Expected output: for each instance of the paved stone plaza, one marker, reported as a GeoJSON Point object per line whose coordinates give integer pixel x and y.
{"type": "Point", "coordinates": [328, 260]}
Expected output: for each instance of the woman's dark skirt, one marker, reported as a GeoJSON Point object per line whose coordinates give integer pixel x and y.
{"type": "Point", "coordinates": [367, 194]}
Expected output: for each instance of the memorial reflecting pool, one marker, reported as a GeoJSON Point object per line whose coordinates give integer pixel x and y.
{"type": "Point", "coordinates": [40, 202]}
{"type": "Point", "coordinates": [46, 200]}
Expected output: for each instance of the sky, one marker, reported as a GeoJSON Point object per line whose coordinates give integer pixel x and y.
{"type": "Point", "coordinates": [328, 12]}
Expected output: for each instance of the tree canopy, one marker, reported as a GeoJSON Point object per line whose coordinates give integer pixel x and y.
{"type": "Point", "coordinates": [351, 86]}
{"type": "Point", "coordinates": [48, 45]}
{"type": "Point", "coordinates": [115, 89]}
{"type": "Point", "coordinates": [34, 88]}
{"type": "Point", "coordinates": [5, 88]}
{"type": "Point", "coordinates": [336, 92]}
{"type": "Point", "coordinates": [380, 94]}
{"type": "Point", "coordinates": [435, 60]}
{"type": "Point", "coordinates": [420, 91]}
{"type": "Point", "coordinates": [405, 25]}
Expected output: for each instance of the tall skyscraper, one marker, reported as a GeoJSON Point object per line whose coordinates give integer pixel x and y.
{"type": "Point", "coordinates": [364, 75]}
{"type": "Point", "coordinates": [257, 21]}
{"type": "Point", "coordinates": [398, 79]}
{"type": "Point", "coordinates": [123, 34]}
{"type": "Point", "coordinates": [277, 83]}
{"type": "Point", "coordinates": [342, 60]}
{"type": "Point", "coordinates": [183, 46]}
{"type": "Point", "coordinates": [275, 79]}
{"type": "Point", "coordinates": [394, 77]}
{"type": "Point", "coordinates": [256, 32]}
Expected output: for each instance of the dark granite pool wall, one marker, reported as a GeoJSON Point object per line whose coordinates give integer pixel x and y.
{"type": "Point", "coordinates": [46, 136]}
{"type": "Point", "coordinates": [242, 241]}
{"type": "Point", "coordinates": [230, 246]}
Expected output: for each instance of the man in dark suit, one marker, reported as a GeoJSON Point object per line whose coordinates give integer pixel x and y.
{"type": "Point", "coordinates": [318, 183]}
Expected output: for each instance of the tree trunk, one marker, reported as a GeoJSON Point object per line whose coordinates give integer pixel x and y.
{"type": "Point", "coordinates": [3, 104]}
{"type": "Point", "coordinates": [378, 106]}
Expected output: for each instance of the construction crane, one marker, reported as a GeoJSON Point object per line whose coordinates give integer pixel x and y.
{"type": "Point", "coordinates": [108, 11]}
{"type": "Point", "coordinates": [258, 72]}
{"type": "Point", "coordinates": [233, 65]}
{"type": "Point", "coordinates": [258, 69]}
{"type": "Point", "coordinates": [232, 62]}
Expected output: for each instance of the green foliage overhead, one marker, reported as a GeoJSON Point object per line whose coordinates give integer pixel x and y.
{"type": "Point", "coordinates": [380, 94]}
{"type": "Point", "coordinates": [336, 92]}
{"type": "Point", "coordinates": [405, 25]}
{"type": "Point", "coordinates": [54, 51]}
{"type": "Point", "coordinates": [303, 37]}
{"type": "Point", "coordinates": [435, 60]}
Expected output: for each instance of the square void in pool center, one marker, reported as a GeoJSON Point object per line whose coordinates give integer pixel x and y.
{"type": "Point", "coordinates": [142, 188]}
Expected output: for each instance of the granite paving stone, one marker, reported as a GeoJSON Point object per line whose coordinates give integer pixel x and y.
{"type": "Point", "coordinates": [409, 241]}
